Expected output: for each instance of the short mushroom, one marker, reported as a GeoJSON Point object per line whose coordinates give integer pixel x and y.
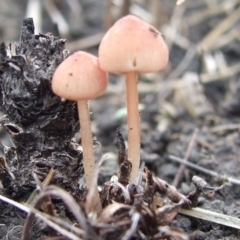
{"type": "Point", "coordinates": [79, 78]}
{"type": "Point", "coordinates": [132, 46]}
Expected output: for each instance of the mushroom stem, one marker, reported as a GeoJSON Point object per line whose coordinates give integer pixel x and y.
{"type": "Point", "coordinates": [88, 154]}
{"type": "Point", "coordinates": [133, 120]}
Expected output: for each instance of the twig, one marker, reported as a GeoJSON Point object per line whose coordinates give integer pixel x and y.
{"type": "Point", "coordinates": [229, 72]}
{"type": "Point", "coordinates": [135, 9]}
{"type": "Point", "coordinates": [205, 144]}
{"type": "Point", "coordinates": [76, 11]}
{"type": "Point", "coordinates": [176, 37]}
{"type": "Point", "coordinates": [179, 2]}
{"type": "Point", "coordinates": [108, 16]}
{"type": "Point", "coordinates": [41, 216]}
{"type": "Point", "coordinates": [155, 8]}
{"type": "Point", "coordinates": [226, 39]}
{"type": "Point", "coordinates": [45, 183]}
{"type": "Point", "coordinates": [209, 40]}
{"type": "Point", "coordinates": [212, 216]}
{"type": "Point", "coordinates": [204, 170]}
{"type": "Point", "coordinates": [85, 43]}
{"type": "Point", "coordinates": [183, 65]}
{"type": "Point", "coordinates": [187, 155]}
{"type": "Point", "coordinates": [201, 15]}
{"type": "Point", "coordinates": [34, 10]}
{"type": "Point", "coordinates": [227, 127]}
{"type": "Point", "coordinates": [57, 18]}
{"type": "Point", "coordinates": [125, 9]}
{"type": "Point", "coordinates": [175, 23]}
{"type": "Point", "coordinates": [68, 200]}
{"type": "Point", "coordinates": [140, 11]}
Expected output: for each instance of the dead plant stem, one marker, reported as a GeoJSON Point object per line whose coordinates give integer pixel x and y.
{"type": "Point", "coordinates": [186, 157]}
{"type": "Point", "coordinates": [204, 170]}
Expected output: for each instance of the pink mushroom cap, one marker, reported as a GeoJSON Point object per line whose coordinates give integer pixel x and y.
{"type": "Point", "coordinates": [79, 77]}
{"type": "Point", "coordinates": [133, 45]}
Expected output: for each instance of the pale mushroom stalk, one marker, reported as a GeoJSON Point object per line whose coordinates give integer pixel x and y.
{"type": "Point", "coordinates": [88, 153]}
{"type": "Point", "coordinates": [132, 46]}
{"type": "Point", "coordinates": [79, 78]}
{"type": "Point", "coordinates": [133, 120]}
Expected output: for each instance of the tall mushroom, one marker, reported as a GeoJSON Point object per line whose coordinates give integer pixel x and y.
{"type": "Point", "coordinates": [132, 46]}
{"type": "Point", "coordinates": [79, 78]}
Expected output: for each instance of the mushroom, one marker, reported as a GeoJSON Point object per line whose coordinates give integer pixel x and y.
{"type": "Point", "coordinates": [132, 46]}
{"type": "Point", "coordinates": [79, 78]}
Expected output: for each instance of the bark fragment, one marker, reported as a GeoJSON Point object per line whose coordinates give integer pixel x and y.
{"type": "Point", "coordinates": [40, 124]}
